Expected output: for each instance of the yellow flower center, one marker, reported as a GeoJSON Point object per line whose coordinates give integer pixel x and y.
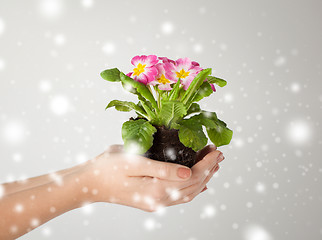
{"type": "Point", "coordinates": [139, 69]}
{"type": "Point", "coordinates": [163, 80]}
{"type": "Point", "coordinates": [182, 74]}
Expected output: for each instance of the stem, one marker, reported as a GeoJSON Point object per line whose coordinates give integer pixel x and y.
{"type": "Point", "coordinates": [151, 114]}
{"type": "Point", "coordinates": [159, 100]}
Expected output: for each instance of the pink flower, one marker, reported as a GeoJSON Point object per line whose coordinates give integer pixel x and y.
{"type": "Point", "coordinates": [166, 60]}
{"type": "Point", "coordinates": [145, 70]}
{"type": "Point", "coordinates": [162, 79]}
{"type": "Point", "coordinates": [185, 70]}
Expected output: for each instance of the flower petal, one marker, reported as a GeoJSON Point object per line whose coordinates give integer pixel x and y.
{"type": "Point", "coordinates": [183, 63]}
{"type": "Point", "coordinates": [166, 60]}
{"type": "Point", "coordinates": [129, 74]}
{"type": "Point", "coordinates": [136, 60]}
{"type": "Point", "coordinates": [186, 82]}
{"type": "Point", "coordinates": [193, 63]}
{"type": "Point", "coordinates": [165, 86]}
{"type": "Point", "coordinates": [150, 73]}
{"type": "Point", "coordinates": [213, 87]}
{"type": "Point", "coordinates": [150, 60]}
{"type": "Point", "coordinates": [142, 78]}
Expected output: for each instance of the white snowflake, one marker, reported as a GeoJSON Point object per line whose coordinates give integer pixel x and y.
{"type": "Point", "coordinates": [87, 3]}
{"type": "Point", "coordinates": [50, 8]}
{"type": "Point", "coordinates": [167, 27]}
{"type": "Point", "coordinates": [60, 105]}
{"type": "Point", "coordinates": [150, 224]}
{"type": "Point", "coordinates": [299, 132]}
{"type": "Point", "coordinates": [260, 187]}
{"type": "Point", "coordinates": [59, 39]}
{"type": "Point", "coordinates": [109, 48]}
{"type": "Point", "coordinates": [45, 86]}
{"type": "Point", "coordinates": [87, 208]}
{"type": "Point", "coordinates": [256, 232]}
{"type": "Point", "coordinates": [209, 211]}
{"type": "Point", "coordinates": [295, 87]}
{"type": "Point", "coordinates": [14, 132]}
{"type": "Point", "coordinates": [280, 61]}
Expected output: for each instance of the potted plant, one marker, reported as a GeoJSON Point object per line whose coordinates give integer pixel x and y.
{"type": "Point", "coordinates": [169, 122]}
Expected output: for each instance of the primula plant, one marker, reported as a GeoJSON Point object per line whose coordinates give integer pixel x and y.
{"type": "Point", "coordinates": [169, 122]}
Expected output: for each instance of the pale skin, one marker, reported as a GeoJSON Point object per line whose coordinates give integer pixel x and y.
{"type": "Point", "coordinates": [112, 177]}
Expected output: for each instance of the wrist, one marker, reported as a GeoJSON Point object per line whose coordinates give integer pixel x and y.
{"type": "Point", "coordinates": [88, 183]}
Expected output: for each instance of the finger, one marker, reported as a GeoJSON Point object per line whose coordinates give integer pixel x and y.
{"type": "Point", "coordinates": [116, 148]}
{"type": "Point", "coordinates": [198, 186]}
{"type": "Point", "coordinates": [207, 163]}
{"type": "Point", "coordinates": [203, 152]}
{"type": "Point", "coordinates": [162, 170]}
{"type": "Point", "coordinates": [204, 189]}
{"type": "Point", "coordinates": [188, 193]}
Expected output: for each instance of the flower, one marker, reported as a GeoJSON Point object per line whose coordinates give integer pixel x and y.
{"type": "Point", "coordinates": [165, 60]}
{"type": "Point", "coordinates": [211, 84]}
{"type": "Point", "coordinates": [162, 79]}
{"type": "Point", "coordinates": [185, 70]}
{"type": "Point", "coordinates": [145, 70]}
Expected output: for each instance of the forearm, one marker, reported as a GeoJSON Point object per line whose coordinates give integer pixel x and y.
{"type": "Point", "coordinates": [25, 210]}
{"type": "Point", "coordinates": [14, 187]}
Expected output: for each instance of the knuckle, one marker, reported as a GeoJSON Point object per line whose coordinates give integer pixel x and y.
{"type": "Point", "coordinates": [188, 198]}
{"type": "Point", "coordinates": [195, 179]}
{"type": "Point", "coordinates": [164, 171]}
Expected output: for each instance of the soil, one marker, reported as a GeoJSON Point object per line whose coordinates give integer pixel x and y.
{"type": "Point", "coordinates": [168, 148]}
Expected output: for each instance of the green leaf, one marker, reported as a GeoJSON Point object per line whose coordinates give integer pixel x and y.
{"type": "Point", "coordinates": [171, 112]}
{"type": "Point", "coordinates": [220, 135]}
{"type": "Point", "coordinates": [217, 130]}
{"type": "Point", "coordinates": [191, 134]}
{"type": "Point", "coordinates": [173, 95]}
{"type": "Point", "coordinates": [112, 75]}
{"type": "Point", "coordinates": [129, 83]}
{"type": "Point", "coordinates": [218, 81]}
{"type": "Point", "coordinates": [194, 108]}
{"type": "Point", "coordinates": [208, 119]}
{"type": "Point", "coordinates": [147, 106]}
{"type": "Point", "coordinates": [125, 106]}
{"type": "Point", "coordinates": [137, 136]}
{"type": "Point", "coordinates": [204, 91]}
{"type": "Point", "coordinates": [195, 84]}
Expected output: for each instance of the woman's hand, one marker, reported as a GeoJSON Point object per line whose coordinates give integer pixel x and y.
{"type": "Point", "coordinates": [147, 184]}
{"type": "Point", "coordinates": [113, 177]}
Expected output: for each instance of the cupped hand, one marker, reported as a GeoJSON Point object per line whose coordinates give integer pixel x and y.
{"type": "Point", "coordinates": [147, 184]}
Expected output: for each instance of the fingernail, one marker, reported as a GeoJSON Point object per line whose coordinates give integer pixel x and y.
{"type": "Point", "coordinates": [220, 157]}
{"type": "Point", "coordinates": [212, 146]}
{"type": "Point", "coordinates": [184, 172]}
{"type": "Point", "coordinates": [205, 188]}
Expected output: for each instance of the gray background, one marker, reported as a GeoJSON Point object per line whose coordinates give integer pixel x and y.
{"type": "Point", "coordinates": [52, 104]}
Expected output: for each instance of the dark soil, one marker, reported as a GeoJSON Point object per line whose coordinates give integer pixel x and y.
{"type": "Point", "coordinates": [168, 148]}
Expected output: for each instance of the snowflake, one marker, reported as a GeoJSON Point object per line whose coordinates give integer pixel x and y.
{"type": "Point", "coordinates": [299, 132]}
{"type": "Point", "coordinates": [256, 232]}
{"type": "Point", "coordinates": [209, 211]}
{"type": "Point", "coordinates": [50, 8]}
{"type": "Point", "coordinates": [109, 48]}
{"type": "Point", "coordinates": [14, 132]}
{"type": "Point", "coordinates": [60, 105]}
{"type": "Point", "coordinates": [167, 27]}
{"type": "Point", "coordinates": [87, 3]}
{"type": "Point", "coordinates": [150, 224]}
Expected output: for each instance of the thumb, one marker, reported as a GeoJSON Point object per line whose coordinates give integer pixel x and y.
{"type": "Point", "coordinates": [162, 170]}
